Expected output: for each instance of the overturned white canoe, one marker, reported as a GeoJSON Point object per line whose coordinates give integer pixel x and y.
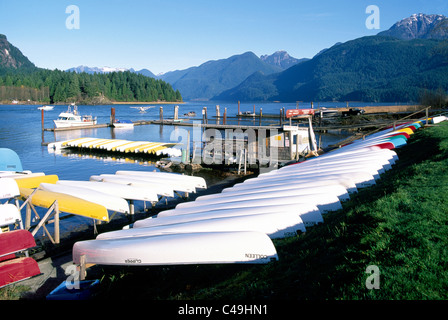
{"type": "Point", "coordinates": [160, 189]}
{"type": "Point", "coordinates": [112, 203]}
{"type": "Point", "coordinates": [174, 184]}
{"type": "Point", "coordinates": [309, 214]}
{"type": "Point", "coordinates": [375, 170]}
{"type": "Point", "coordinates": [8, 188]}
{"type": "Point", "coordinates": [275, 225]}
{"type": "Point", "coordinates": [9, 214]}
{"type": "Point", "coordinates": [337, 190]}
{"type": "Point", "coordinates": [348, 184]}
{"type": "Point", "coordinates": [122, 191]}
{"type": "Point", "coordinates": [179, 249]}
{"type": "Point", "coordinates": [324, 202]}
{"type": "Point", "coordinates": [198, 182]}
{"type": "Point", "coordinates": [335, 163]}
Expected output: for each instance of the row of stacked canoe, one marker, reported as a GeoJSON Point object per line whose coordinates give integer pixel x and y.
{"type": "Point", "coordinates": [239, 224]}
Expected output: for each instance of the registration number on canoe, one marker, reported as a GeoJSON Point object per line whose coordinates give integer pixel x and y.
{"type": "Point", "coordinates": [132, 261]}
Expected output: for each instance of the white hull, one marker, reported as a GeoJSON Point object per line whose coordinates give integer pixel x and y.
{"type": "Point", "coordinates": [122, 191]}
{"type": "Point", "coordinates": [8, 188]}
{"type": "Point", "coordinates": [160, 189]}
{"type": "Point", "coordinates": [67, 124]}
{"type": "Point", "coordinates": [197, 181]}
{"type": "Point", "coordinates": [271, 192]}
{"type": "Point", "coordinates": [112, 203]}
{"type": "Point", "coordinates": [348, 184]}
{"type": "Point", "coordinates": [309, 214]}
{"type": "Point", "coordinates": [174, 184]}
{"type": "Point", "coordinates": [275, 225]}
{"type": "Point", "coordinates": [179, 249]}
{"type": "Point", "coordinates": [9, 214]}
{"type": "Point", "coordinates": [324, 202]}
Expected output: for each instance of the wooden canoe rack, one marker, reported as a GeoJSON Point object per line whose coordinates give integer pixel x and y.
{"type": "Point", "coordinates": [52, 212]}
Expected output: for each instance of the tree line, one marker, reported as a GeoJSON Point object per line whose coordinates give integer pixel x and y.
{"type": "Point", "coordinates": [55, 86]}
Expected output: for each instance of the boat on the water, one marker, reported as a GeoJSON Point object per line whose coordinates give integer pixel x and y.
{"type": "Point", "coordinates": [46, 108]}
{"type": "Point", "coordinates": [72, 118]}
{"type": "Point", "coordinates": [179, 249]}
{"type": "Point", "coordinates": [123, 124]}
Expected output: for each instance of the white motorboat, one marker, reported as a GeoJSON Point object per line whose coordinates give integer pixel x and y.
{"type": "Point", "coordinates": [123, 124]}
{"type": "Point", "coordinates": [71, 118]}
{"type": "Point", "coordinates": [46, 108]}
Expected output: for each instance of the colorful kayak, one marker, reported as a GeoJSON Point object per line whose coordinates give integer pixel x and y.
{"type": "Point", "coordinates": [112, 203]}
{"type": "Point", "coordinates": [14, 270]}
{"type": "Point", "coordinates": [66, 203]}
{"type": "Point", "coordinates": [34, 182]}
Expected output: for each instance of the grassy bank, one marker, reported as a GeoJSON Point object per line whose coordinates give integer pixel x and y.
{"type": "Point", "coordinates": [400, 225]}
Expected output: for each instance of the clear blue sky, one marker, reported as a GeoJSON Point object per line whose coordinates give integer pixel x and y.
{"type": "Point", "coordinates": [165, 35]}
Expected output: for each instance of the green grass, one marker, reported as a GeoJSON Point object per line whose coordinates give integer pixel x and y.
{"type": "Point", "coordinates": [400, 225]}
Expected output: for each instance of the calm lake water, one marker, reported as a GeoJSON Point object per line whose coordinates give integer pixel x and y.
{"type": "Point", "coordinates": [21, 131]}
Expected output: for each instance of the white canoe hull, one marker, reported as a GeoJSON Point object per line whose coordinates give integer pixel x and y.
{"type": "Point", "coordinates": [335, 162]}
{"type": "Point", "coordinates": [275, 225]}
{"type": "Point", "coordinates": [9, 214]}
{"type": "Point", "coordinates": [8, 188]}
{"type": "Point", "coordinates": [271, 192]}
{"type": "Point", "coordinates": [162, 190]}
{"type": "Point", "coordinates": [348, 184]}
{"type": "Point", "coordinates": [179, 249]}
{"type": "Point", "coordinates": [122, 191]}
{"type": "Point", "coordinates": [324, 202]}
{"type": "Point", "coordinates": [309, 214]}
{"type": "Point", "coordinates": [174, 184]}
{"type": "Point", "coordinates": [112, 203]}
{"type": "Point", "coordinates": [198, 182]}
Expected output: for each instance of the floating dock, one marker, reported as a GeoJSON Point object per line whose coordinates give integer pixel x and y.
{"type": "Point", "coordinates": [117, 145]}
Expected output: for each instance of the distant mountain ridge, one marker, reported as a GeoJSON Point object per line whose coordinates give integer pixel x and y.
{"type": "Point", "coordinates": [92, 70]}
{"type": "Point", "coordinates": [384, 68]}
{"type": "Point", "coordinates": [213, 77]}
{"type": "Point", "coordinates": [281, 59]}
{"type": "Point", "coordinates": [11, 57]}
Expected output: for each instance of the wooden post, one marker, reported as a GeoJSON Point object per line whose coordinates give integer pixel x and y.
{"type": "Point", "coordinates": [238, 107]}
{"type": "Point", "coordinates": [161, 115]}
{"type": "Point", "coordinates": [218, 114]}
{"type": "Point", "coordinates": [176, 112]}
{"type": "Point", "coordinates": [225, 116]}
{"type": "Point", "coordinates": [261, 116]}
{"type": "Point", "coordinates": [82, 267]}
{"type": "Point", "coordinates": [42, 118]}
{"type": "Point", "coordinates": [112, 115]}
{"type": "Point", "coordinates": [188, 147]}
{"type": "Point", "coordinates": [427, 115]}
{"type": "Point", "coordinates": [57, 238]}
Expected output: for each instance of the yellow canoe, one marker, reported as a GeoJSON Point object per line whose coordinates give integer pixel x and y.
{"type": "Point", "coordinates": [66, 203]}
{"type": "Point", "coordinates": [34, 182]}
{"type": "Point", "coordinates": [406, 130]}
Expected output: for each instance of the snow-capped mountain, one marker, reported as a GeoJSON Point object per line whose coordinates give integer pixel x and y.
{"type": "Point", "coordinates": [92, 70]}
{"type": "Point", "coordinates": [419, 26]}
